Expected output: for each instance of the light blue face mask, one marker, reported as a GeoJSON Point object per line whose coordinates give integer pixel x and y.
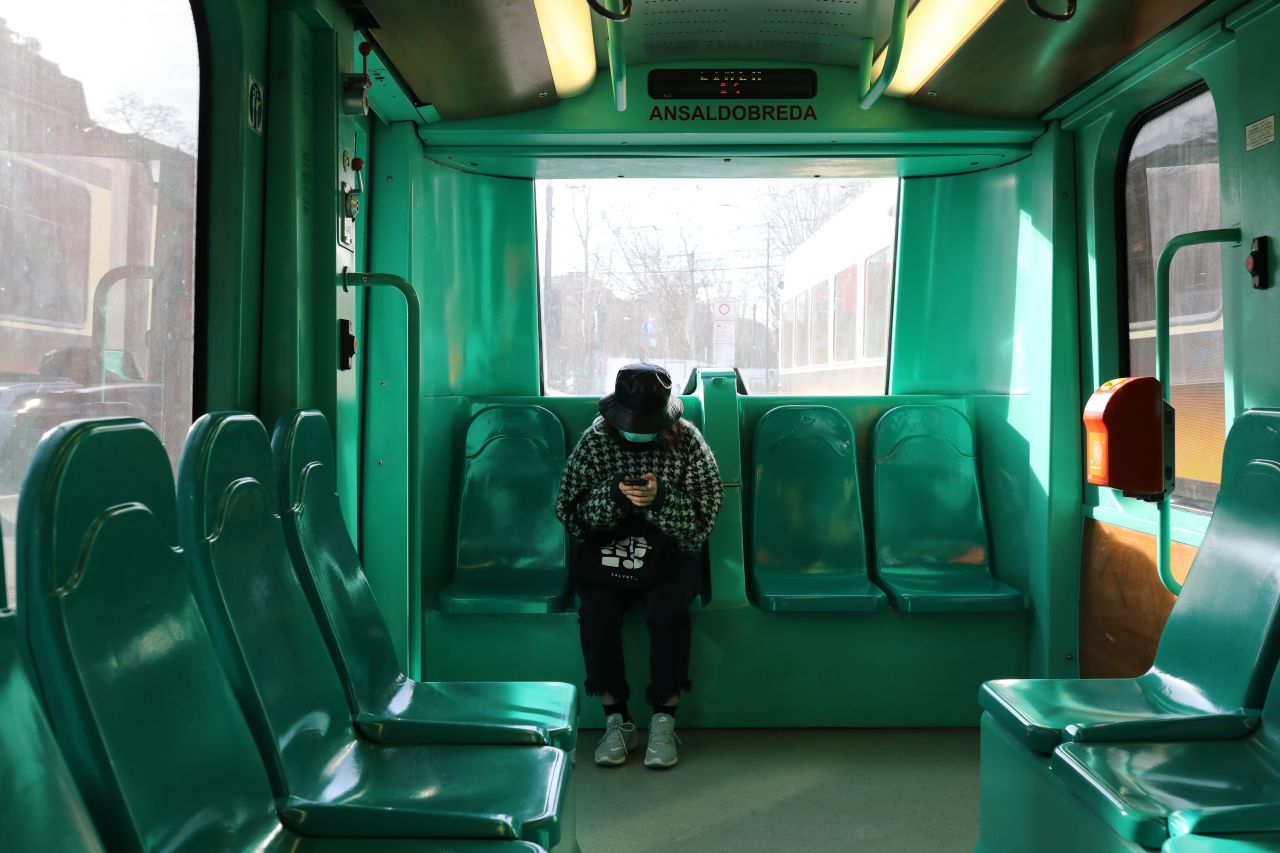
{"type": "Point", "coordinates": [639, 437]}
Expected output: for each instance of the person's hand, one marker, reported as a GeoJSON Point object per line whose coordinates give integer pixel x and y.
{"type": "Point", "coordinates": [642, 496]}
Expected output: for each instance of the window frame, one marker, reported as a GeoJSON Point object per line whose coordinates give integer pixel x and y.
{"type": "Point", "coordinates": [1124, 366]}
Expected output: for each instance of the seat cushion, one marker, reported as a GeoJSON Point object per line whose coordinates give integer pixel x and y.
{"type": "Point", "coordinates": [826, 592]}
{"type": "Point", "coordinates": [460, 712]}
{"type": "Point", "coordinates": [1037, 710]}
{"type": "Point", "coordinates": [488, 792]}
{"type": "Point", "coordinates": [949, 589]}
{"type": "Point", "coordinates": [1134, 787]}
{"type": "Point", "coordinates": [524, 591]}
{"type": "Point", "coordinates": [1261, 842]}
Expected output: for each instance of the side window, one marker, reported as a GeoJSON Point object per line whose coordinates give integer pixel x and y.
{"type": "Point", "coordinates": [802, 330]}
{"type": "Point", "coordinates": [820, 317]}
{"type": "Point", "coordinates": [788, 331]}
{"type": "Point", "coordinates": [97, 224]}
{"type": "Point", "coordinates": [1170, 188]}
{"type": "Point", "coordinates": [879, 278]}
{"type": "Point", "coordinates": [846, 310]}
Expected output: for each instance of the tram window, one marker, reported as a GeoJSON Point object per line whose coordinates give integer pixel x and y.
{"type": "Point", "coordinates": [845, 331]}
{"type": "Point", "coordinates": [803, 325]}
{"type": "Point", "coordinates": [819, 320]}
{"type": "Point", "coordinates": [1171, 187]}
{"type": "Point", "coordinates": [788, 332]}
{"type": "Point", "coordinates": [876, 316]}
{"type": "Point", "coordinates": [97, 223]}
{"type": "Point", "coordinates": [691, 273]}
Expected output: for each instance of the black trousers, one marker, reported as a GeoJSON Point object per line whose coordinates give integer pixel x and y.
{"type": "Point", "coordinates": [666, 605]}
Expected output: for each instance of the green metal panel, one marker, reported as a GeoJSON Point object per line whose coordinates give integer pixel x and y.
{"type": "Point", "coordinates": [236, 34]}
{"type": "Point", "coordinates": [1025, 807]}
{"type": "Point", "coordinates": [991, 258]}
{"type": "Point", "coordinates": [477, 272]}
{"type": "Point", "coordinates": [395, 199]}
{"type": "Point", "coordinates": [586, 136]}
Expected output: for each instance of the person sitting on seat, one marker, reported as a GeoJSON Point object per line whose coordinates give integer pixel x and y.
{"type": "Point", "coordinates": [641, 490]}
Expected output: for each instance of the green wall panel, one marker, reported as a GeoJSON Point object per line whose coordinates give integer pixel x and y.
{"type": "Point", "coordinates": [477, 272]}
{"type": "Point", "coordinates": [232, 157]}
{"type": "Point", "coordinates": [990, 258]}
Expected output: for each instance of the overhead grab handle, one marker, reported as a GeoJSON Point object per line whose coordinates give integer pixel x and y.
{"type": "Point", "coordinates": [868, 92]}
{"type": "Point", "coordinates": [1193, 238]}
{"type": "Point", "coordinates": [617, 54]}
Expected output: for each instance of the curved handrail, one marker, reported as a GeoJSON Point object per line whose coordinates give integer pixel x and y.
{"type": "Point", "coordinates": [1191, 238]}
{"type": "Point", "coordinates": [868, 92]}
{"type": "Point", "coordinates": [413, 381]}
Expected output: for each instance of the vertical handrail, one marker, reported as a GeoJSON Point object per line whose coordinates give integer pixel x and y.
{"type": "Point", "coordinates": [617, 59]}
{"type": "Point", "coordinates": [413, 318]}
{"type": "Point", "coordinates": [1191, 238]}
{"type": "Point", "coordinates": [868, 92]}
{"type": "Point", "coordinates": [98, 322]}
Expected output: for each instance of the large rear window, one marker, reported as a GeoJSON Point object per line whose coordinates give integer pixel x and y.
{"type": "Point", "coordinates": [790, 281]}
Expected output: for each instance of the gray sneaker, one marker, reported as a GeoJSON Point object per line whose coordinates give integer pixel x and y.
{"type": "Point", "coordinates": [619, 739]}
{"type": "Point", "coordinates": [662, 742]}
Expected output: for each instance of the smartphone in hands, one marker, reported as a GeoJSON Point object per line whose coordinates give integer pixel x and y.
{"type": "Point", "coordinates": [633, 481]}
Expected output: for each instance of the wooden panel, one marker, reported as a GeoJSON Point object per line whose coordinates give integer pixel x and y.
{"type": "Point", "coordinates": [1123, 605]}
{"type": "Point", "coordinates": [1017, 64]}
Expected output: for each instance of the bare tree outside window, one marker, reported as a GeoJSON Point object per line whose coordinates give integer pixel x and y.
{"type": "Point", "coordinates": [690, 273]}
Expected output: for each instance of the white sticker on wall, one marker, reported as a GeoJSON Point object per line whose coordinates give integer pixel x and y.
{"type": "Point", "coordinates": [1261, 132]}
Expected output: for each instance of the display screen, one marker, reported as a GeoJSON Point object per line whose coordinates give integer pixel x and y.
{"type": "Point", "coordinates": [732, 83]}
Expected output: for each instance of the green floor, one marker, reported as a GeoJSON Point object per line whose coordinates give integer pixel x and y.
{"type": "Point", "coordinates": [914, 791]}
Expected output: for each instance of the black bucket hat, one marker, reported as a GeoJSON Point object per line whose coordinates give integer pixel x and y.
{"type": "Point", "coordinates": [641, 400]}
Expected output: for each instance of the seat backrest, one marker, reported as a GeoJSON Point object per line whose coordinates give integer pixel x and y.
{"type": "Point", "coordinates": [151, 730]}
{"type": "Point", "coordinates": [326, 560]}
{"type": "Point", "coordinates": [928, 509]}
{"type": "Point", "coordinates": [515, 456]}
{"type": "Point", "coordinates": [35, 784]}
{"type": "Point", "coordinates": [806, 514]}
{"type": "Point", "coordinates": [1223, 634]}
{"type": "Point", "coordinates": [250, 596]}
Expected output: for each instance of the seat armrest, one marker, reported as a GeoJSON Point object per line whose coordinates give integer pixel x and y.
{"type": "Point", "coordinates": [1223, 820]}
{"type": "Point", "coordinates": [1187, 727]}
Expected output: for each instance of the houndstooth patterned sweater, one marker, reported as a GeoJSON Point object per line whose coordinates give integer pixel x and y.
{"type": "Point", "coordinates": [689, 490]}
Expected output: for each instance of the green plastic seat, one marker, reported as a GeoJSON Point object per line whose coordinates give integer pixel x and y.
{"type": "Point", "coordinates": [386, 705]}
{"type": "Point", "coordinates": [512, 551]}
{"type": "Point", "coordinates": [34, 780]}
{"type": "Point", "coordinates": [153, 732]}
{"type": "Point", "coordinates": [932, 551]}
{"type": "Point", "coordinates": [328, 779]}
{"type": "Point", "coordinates": [808, 552]}
{"type": "Point", "coordinates": [1222, 639]}
{"type": "Point", "coordinates": [1148, 791]}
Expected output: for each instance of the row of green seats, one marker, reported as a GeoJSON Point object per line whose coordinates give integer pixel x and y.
{"type": "Point", "coordinates": [190, 688]}
{"type": "Point", "coordinates": [808, 547]}
{"type": "Point", "coordinates": [1183, 749]}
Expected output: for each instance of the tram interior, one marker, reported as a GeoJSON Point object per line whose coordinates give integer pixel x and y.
{"type": "Point", "coordinates": [387, 255]}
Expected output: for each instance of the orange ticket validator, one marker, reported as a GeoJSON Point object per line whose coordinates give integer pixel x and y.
{"type": "Point", "coordinates": [1124, 436]}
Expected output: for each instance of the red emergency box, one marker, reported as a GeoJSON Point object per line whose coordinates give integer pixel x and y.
{"type": "Point", "coordinates": [1124, 436]}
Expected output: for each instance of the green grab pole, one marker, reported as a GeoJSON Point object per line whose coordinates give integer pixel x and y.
{"type": "Point", "coordinates": [617, 58]}
{"type": "Point", "coordinates": [413, 312]}
{"type": "Point", "coordinates": [1191, 238]}
{"type": "Point", "coordinates": [868, 92]}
